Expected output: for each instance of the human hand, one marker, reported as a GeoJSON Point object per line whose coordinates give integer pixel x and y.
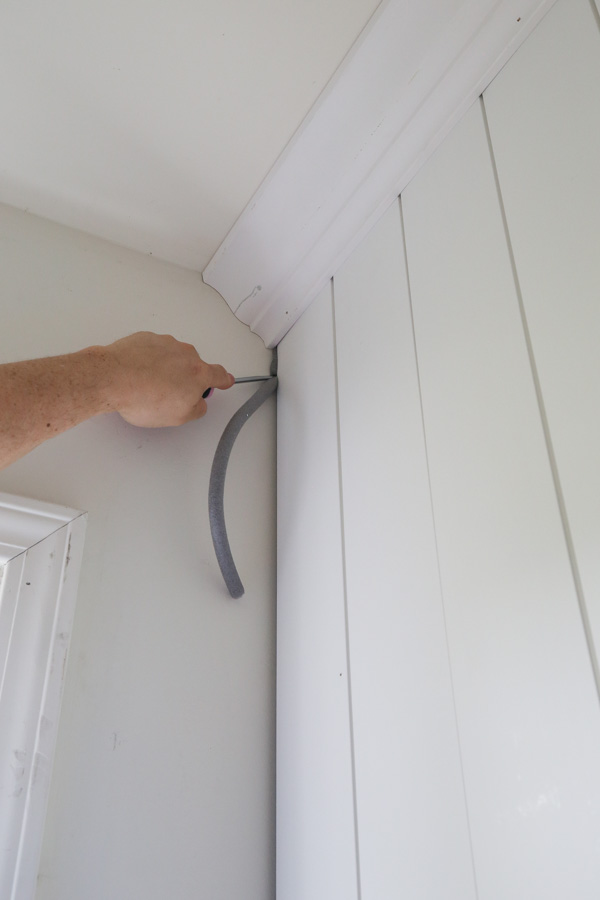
{"type": "Point", "coordinates": [156, 380]}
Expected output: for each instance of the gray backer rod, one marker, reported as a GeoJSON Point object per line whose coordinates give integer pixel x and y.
{"type": "Point", "coordinates": [216, 488]}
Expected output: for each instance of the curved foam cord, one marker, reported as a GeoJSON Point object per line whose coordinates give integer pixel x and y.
{"type": "Point", "coordinates": [216, 489]}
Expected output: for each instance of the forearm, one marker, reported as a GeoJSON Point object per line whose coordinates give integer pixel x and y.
{"type": "Point", "coordinates": [40, 398]}
{"type": "Point", "coordinates": [152, 380]}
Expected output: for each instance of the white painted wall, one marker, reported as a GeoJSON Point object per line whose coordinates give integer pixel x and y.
{"type": "Point", "coordinates": [457, 415]}
{"type": "Point", "coordinates": [163, 783]}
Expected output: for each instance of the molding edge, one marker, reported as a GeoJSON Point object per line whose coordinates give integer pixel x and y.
{"type": "Point", "coordinates": [396, 96]}
{"type": "Point", "coordinates": [41, 547]}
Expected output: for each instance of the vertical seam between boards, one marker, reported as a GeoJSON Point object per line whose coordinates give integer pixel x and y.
{"type": "Point", "coordinates": [345, 589]}
{"type": "Point", "coordinates": [562, 508]}
{"type": "Point", "coordinates": [435, 540]}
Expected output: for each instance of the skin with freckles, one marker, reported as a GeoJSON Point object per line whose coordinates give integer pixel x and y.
{"type": "Point", "coordinates": [152, 380]}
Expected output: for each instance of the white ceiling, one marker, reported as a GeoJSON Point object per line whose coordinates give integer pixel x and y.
{"type": "Point", "coordinates": [153, 122]}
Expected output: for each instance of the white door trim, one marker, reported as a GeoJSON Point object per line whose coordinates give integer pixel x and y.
{"type": "Point", "coordinates": [41, 547]}
{"type": "Point", "coordinates": [413, 73]}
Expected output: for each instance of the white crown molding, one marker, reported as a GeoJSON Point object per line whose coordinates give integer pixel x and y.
{"type": "Point", "coordinates": [412, 74]}
{"type": "Point", "coordinates": [41, 547]}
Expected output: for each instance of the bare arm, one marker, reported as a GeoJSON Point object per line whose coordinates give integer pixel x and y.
{"type": "Point", "coordinates": [151, 380]}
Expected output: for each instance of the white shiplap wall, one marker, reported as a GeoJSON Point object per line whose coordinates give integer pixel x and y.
{"type": "Point", "coordinates": [313, 710]}
{"type": "Point", "coordinates": [402, 703]}
{"type": "Point", "coordinates": [550, 182]}
{"type": "Point", "coordinates": [439, 517]}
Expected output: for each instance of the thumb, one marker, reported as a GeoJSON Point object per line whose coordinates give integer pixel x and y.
{"type": "Point", "coordinates": [220, 377]}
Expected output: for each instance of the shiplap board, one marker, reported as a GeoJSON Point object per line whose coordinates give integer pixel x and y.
{"type": "Point", "coordinates": [544, 119]}
{"type": "Point", "coordinates": [410, 793]}
{"type": "Point", "coordinates": [526, 701]}
{"type": "Point", "coordinates": [316, 854]}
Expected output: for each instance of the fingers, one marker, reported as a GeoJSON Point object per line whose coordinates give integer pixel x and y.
{"type": "Point", "coordinates": [157, 380]}
{"type": "Point", "coordinates": [219, 377]}
{"type": "Point", "coordinates": [197, 411]}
